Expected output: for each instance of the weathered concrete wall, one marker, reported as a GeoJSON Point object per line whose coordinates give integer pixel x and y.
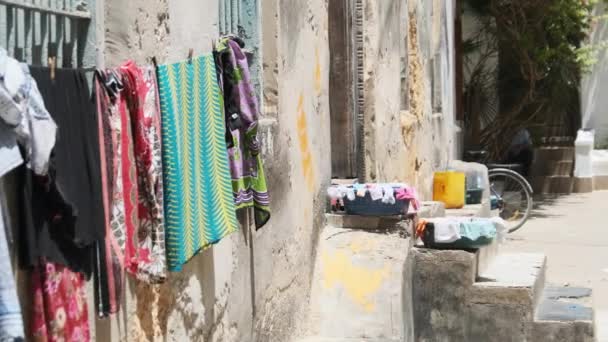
{"type": "Point", "coordinates": [382, 81]}
{"type": "Point", "coordinates": [408, 144]}
{"type": "Point", "coordinates": [593, 100]}
{"type": "Point", "coordinates": [252, 286]}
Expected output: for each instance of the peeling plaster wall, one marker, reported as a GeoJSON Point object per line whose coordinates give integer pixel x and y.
{"type": "Point", "coordinates": [252, 286]}
{"type": "Point", "coordinates": [408, 144]}
{"type": "Point", "coordinates": [382, 33]}
{"type": "Point", "coordinates": [301, 168]}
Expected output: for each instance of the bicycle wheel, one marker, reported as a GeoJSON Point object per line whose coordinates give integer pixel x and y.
{"type": "Point", "coordinates": [514, 195]}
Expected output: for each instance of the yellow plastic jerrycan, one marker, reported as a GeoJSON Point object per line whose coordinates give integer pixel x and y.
{"type": "Point", "coordinates": [449, 188]}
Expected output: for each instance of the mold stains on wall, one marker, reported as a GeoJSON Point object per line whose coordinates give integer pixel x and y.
{"type": "Point", "coordinates": [304, 144]}
{"type": "Point", "coordinates": [359, 283]}
{"type": "Point", "coordinates": [151, 312]}
{"type": "Point", "coordinates": [415, 70]}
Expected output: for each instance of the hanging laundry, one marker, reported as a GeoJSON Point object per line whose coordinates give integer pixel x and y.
{"type": "Point", "coordinates": [148, 261]}
{"type": "Point", "coordinates": [11, 322]}
{"type": "Point", "coordinates": [199, 206]}
{"type": "Point", "coordinates": [10, 157]}
{"type": "Point", "coordinates": [23, 111]}
{"type": "Point", "coordinates": [241, 113]}
{"type": "Point", "coordinates": [62, 213]}
{"type": "Point", "coordinates": [112, 121]}
{"type": "Point", "coordinates": [59, 305]}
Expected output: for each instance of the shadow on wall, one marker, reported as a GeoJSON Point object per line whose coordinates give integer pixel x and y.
{"type": "Point", "coordinates": [188, 296]}
{"type": "Point", "coordinates": [186, 306]}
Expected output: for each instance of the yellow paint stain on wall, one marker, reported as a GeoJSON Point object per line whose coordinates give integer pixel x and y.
{"type": "Point", "coordinates": [360, 283]}
{"type": "Point", "coordinates": [317, 72]}
{"type": "Point", "coordinates": [306, 155]}
{"type": "Point", "coordinates": [362, 245]}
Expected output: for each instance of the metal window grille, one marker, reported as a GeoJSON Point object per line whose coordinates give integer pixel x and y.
{"type": "Point", "coordinates": [34, 30]}
{"type": "Point", "coordinates": [242, 18]}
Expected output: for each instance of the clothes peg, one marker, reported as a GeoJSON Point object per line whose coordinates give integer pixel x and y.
{"type": "Point", "coordinates": [52, 65]}
{"type": "Point", "coordinates": [154, 62]}
{"type": "Point", "coordinates": [190, 54]}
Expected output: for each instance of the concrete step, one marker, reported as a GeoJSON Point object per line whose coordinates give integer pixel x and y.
{"type": "Point", "coordinates": [486, 255]}
{"type": "Point", "coordinates": [583, 185]}
{"type": "Point", "coordinates": [564, 315]}
{"type": "Point", "coordinates": [451, 304]}
{"type": "Point", "coordinates": [431, 209]}
{"type": "Point", "coordinates": [553, 184]}
{"type": "Point", "coordinates": [544, 155]}
{"type": "Point", "coordinates": [511, 279]}
{"type": "Point", "coordinates": [600, 183]}
{"type": "Point", "coordinates": [554, 168]}
{"type": "Point", "coordinates": [502, 300]}
{"type": "Point", "coordinates": [357, 286]}
{"type": "Point", "coordinates": [326, 339]}
{"type": "Point", "coordinates": [471, 210]}
{"type": "Point", "coordinates": [366, 222]}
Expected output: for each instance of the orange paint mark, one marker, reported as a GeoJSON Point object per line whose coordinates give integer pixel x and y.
{"type": "Point", "coordinates": [317, 72]}
{"type": "Point", "coordinates": [306, 155]}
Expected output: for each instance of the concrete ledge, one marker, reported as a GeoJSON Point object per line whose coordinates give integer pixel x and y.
{"type": "Point", "coordinates": [562, 331]}
{"type": "Point", "coordinates": [431, 209]}
{"type": "Point", "coordinates": [361, 339]}
{"type": "Point", "coordinates": [366, 222]}
{"type": "Point", "coordinates": [552, 184]}
{"type": "Point", "coordinates": [513, 279]}
{"type": "Point", "coordinates": [357, 286]}
{"type": "Point", "coordinates": [472, 210]}
{"type": "Point", "coordinates": [486, 255]}
{"type": "Point", "coordinates": [545, 155]}
{"type": "Point", "coordinates": [554, 168]}
{"type": "Point", "coordinates": [497, 322]}
{"type": "Point", "coordinates": [583, 185]}
{"type": "Point", "coordinates": [600, 183]}
{"type": "Point", "coordinates": [440, 281]}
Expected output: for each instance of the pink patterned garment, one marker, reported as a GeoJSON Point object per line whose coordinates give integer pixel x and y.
{"type": "Point", "coordinates": [148, 262]}
{"type": "Point", "coordinates": [60, 307]}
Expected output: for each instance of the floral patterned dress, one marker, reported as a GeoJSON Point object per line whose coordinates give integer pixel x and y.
{"type": "Point", "coordinates": [147, 260]}
{"type": "Point", "coordinates": [60, 308]}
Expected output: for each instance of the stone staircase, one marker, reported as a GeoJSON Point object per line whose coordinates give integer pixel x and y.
{"type": "Point", "coordinates": [509, 301]}
{"type": "Point", "coordinates": [371, 284]}
{"type": "Point", "coordinates": [552, 170]}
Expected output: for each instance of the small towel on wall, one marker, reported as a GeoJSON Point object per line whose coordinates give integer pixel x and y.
{"type": "Point", "coordinates": [199, 207]}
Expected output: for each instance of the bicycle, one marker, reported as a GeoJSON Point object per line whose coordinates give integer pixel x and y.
{"type": "Point", "coordinates": [510, 192]}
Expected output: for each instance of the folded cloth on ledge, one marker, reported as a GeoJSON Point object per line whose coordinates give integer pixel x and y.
{"type": "Point", "coordinates": [465, 232]}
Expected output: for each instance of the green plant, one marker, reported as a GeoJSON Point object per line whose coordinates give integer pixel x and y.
{"type": "Point", "coordinates": [542, 52]}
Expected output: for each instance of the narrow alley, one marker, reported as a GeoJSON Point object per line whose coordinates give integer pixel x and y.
{"type": "Point", "coordinates": [571, 232]}
{"type": "Point", "coordinates": [303, 170]}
